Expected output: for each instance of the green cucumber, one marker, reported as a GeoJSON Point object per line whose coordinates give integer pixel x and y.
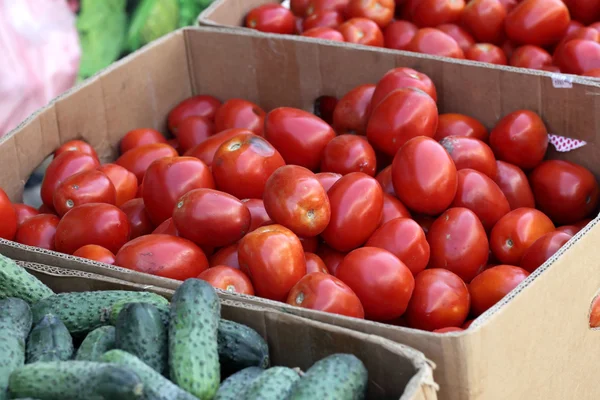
{"type": "Point", "coordinates": [49, 340]}
{"type": "Point", "coordinates": [96, 343]}
{"type": "Point", "coordinates": [193, 325]}
{"type": "Point", "coordinates": [273, 384]}
{"type": "Point", "coordinates": [75, 380]}
{"type": "Point", "coordinates": [15, 315]}
{"type": "Point", "coordinates": [234, 387]}
{"type": "Point", "coordinates": [339, 376]}
{"type": "Point", "coordinates": [83, 312]}
{"type": "Point", "coordinates": [15, 281]}
{"type": "Point", "coordinates": [141, 332]}
{"type": "Point", "coordinates": [163, 308]}
{"type": "Point", "coordinates": [15, 323]}
{"type": "Point", "coordinates": [240, 347]}
{"type": "Point", "coordinates": [157, 386]}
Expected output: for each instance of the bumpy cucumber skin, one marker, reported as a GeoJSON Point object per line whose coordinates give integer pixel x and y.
{"type": "Point", "coordinates": [156, 386]}
{"type": "Point", "coordinates": [15, 324]}
{"type": "Point", "coordinates": [15, 315]}
{"type": "Point", "coordinates": [193, 325]}
{"type": "Point", "coordinates": [82, 312]}
{"type": "Point", "coordinates": [15, 281]}
{"type": "Point", "coordinates": [339, 376]}
{"type": "Point", "coordinates": [141, 332]}
{"type": "Point", "coordinates": [240, 347]}
{"type": "Point", "coordinates": [273, 384]}
{"type": "Point", "coordinates": [96, 343]}
{"type": "Point", "coordinates": [75, 380]}
{"type": "Point", "coordinates": [49, 340]}
{"type": "Point", "coordinates": [234, 387]}
{"type": "Point", "coordinates": [163, 308]}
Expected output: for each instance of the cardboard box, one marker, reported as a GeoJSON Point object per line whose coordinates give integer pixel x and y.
{"type": "Point", "coordinates": [230, 13]}
{"type": "Point", "coordinates": [536, 344]}
{"type": "Point", "coordinates": [395, 371]}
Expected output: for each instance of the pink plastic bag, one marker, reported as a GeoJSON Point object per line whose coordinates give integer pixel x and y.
{"type": "Point", "coordinates": [40, 56]}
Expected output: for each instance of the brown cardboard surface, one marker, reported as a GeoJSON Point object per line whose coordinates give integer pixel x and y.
{"type": "Point", "coordinates": [537, 345]}
{"type": "Point", "coordinates": [293, 341]}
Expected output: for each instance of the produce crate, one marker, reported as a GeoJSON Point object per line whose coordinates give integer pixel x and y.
{"type": "Point", "coordinates": [534, 344]}
{"type": "Point", "coordinates": [293, 341]}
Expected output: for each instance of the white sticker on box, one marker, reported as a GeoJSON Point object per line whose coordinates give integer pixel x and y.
{"type": "Point", "coordinates": [562, 81]}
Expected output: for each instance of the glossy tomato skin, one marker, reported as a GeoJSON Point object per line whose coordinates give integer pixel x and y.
{"type": "Point", "coordinates": [458, 243]}
{"type": "Point", "coordinates": [351, 112]}
{"type": "Point", "coordinates": [84, 187]}
{"type": "Point", "coordinates": [138, 217]}
{"type": "Point", "coordinates": [398, 34]}
{"type": "Point", "coordinates": [23, 212]}
{"type": "Point", "coordinates": [95, 253]}
{"type": "Point", "coordinates": [516, 232]}
{"type": "Point", "coordinates": [140, 137]}
{"type": "Point", "coordinates": [206, 150]}
{"type": "Point", "coordinates": [487, 53]}
{"type": "Point", "coordinates": [431, 13]}
{"type": "Point", "coordinates": [379, 11]}
{"type": "Point", "coordinates": [385, 180]}
{"type": "Point", "coordinates": [65, 165]}
{"type": "Point", "coordinates": [362, 31]}
{"type": "Point", "coordinates": [578, 56]}
{"type": "Point", "coordinates": [194, 130]}
{"type": "Point", "coordinates": [226, 256]}
{"type": "Point", "coordinates": [530, 56]}
{"type": "Point", "coordinates": [8, 216]}
{"type": "Point", "coordinates": [38, 231]}
{"type": "Point", "coordinates": [401, 78]}
{"type": "Point", "coordinates": [424, 176]}
{"type": "Point", "coordinates": [92, 223]}
{"type": "Point", "coordinates": [595, 313]}
{"type": "Point", "coordinates": [258, 214]}
{"type": "Point", "coordinates": [356, 209]}
{"type": "Point", "coordinates": [76, 145]}
{"type": "Point", "coordinates": [349, 153]}
{"type": "Point", "coordinates": [139, 159]}
{"type": "Point", "coordinates": [489, 287]}
{"type": "Point", "coordinates": [273, 258]}
{"type": "Point", "coordinates": [316, 6]}
{"type": "Point", "coordinates": [324, 33]}
{"type": "Point", "coordinates": [565, 191]}
{"type": "Point", "coordinates": [169, 178]}
{"type": "Point", "coordinates": [242, 114]}
{"type": "Point", "coordinates": [405, 239]}
{"type": "Point", "coordinates": [325, 19]}
{"type": "Point", "coordinates": [514, 184]}
{"type": "Point", "coordinates": [537, 22]}
{"type": "Point", "coordinates": [327, 179]}
{"type": "Point", "coordinates": [440, 300]}
{"type": "Point", "coordinates": [471, 153]}
{"type": "Point", "coordinates": [324, 292]}
{"type": "Point", "coordinates": [229, 279]}
{"type": "Point", "coordinates": [295, 198]}
{"type": "Point", "coordinates": [381, 281]}
{"type": "Point", "coordinates": [299, 136]}
{"type": "Point", "coordinates": [272, 18]}
{"type": "Point", "coordinates": [435, 42]}
{"type": "Point", "coordinates": [575, 228]}
{"type": "Point", "coordinates": [200, 106]}
{"type": "Point", "coordinates": [314, 263]}
{"type": "Point", "coordinates": [520, 138]}
{"type": "Point", "coordinates": [456, 32]}
{"type": "Point", "coordinates": [392, 209]}
{"type": "Point", "coordinates": [124, 181]}
{"type": "Point", "coordinates": [299, 7]}
{"type": "Point", "coordinates": [332, 258]}
{"type": "Point", "coordinates": [163, 255]}
{"type": "Point", "coordinates": [167, 228]}
{"type": "Point", "coordinates": [460, 125]}
{"type": "Point", "coordinates": [243, 164]}
{"type": "Point", "coordinates": [485, 20]}
{"type": "Point", "coordinates": [543, 249]}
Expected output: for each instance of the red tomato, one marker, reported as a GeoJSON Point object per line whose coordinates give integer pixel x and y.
{"type": "Point", "coordinates": [516, 232]}
{"type": "Point", "coordinates": [480, 194]}
{"type": "Point", "coordinates": [543, 249]}
{"type": "Point", "coordinates": [586, 11]}
{"type": "Point", "coordinates": [124, 181]}
{"type": "Point", "coordinates": [401, 78]}
{"type": "Point", "coordinates": [520, 138]}
{"type": "Point", "coordinates": [163, 255]}
{"type": "Point", "coordinates": [471, 153]}
{"type": "Point", "coordinates": [356, 210]}
{"type": "Point", "coordinates": [76, 145]}
{"type": "Point", "coordinates": [578, 56]}
{"type": "Point", "coordinates": [435, 42]}
{"type": "Point", "coordinates": [424, 176]}
{"type": "Point", "coordinates": [460, 125]}
{"type": "Point", "coordinates": [351, 112]}
{"type": "Point", "coordinates": [206, 150]}
{"type": "Point", "coordinates": [489, 287]}
{"type": "Point", "coordinates": [462, 37]}
{"type": "Point", "coordinates": [295, 198]}
{"type": "Point", "coordinates": [226, 256]}
{"type": "Point", "coordinates": [593, 73]}
{"type": "Point", "coordinates": [299, 7]}
{"type": "Point", "coordinates": [201, 106]}
{"type": "Point", "coordinates": [243, 164]}
{"type": "Point", "coordinates": [92, 223]}
{"type": "Point", "coordinates": [323, 292]}
{"type": "Point", "coordinates": [167, 228]}
{"type": "Point", "coordinates": [458, 243]}
{"type": "Point", "coordinates": [310, 244]}
{"type": "Point", "coordinates": [486, 52]}
{"type": "Point", "coordinates": [595, 313]}
{"type": "Point", "coordinates": [139, 220]}
{"type": "Point", "coordinates": [564, 191]}
{"type": "Point", "coordinates": [379, 11]}
{"type": "Point", "coordinates": [242, 114]}
{"type": "Point", "coordinates": [515, 186]}
{"type": "Point", "coordinates": [258, 214]}
{"type": "Point", "coordinates": [405, 239]}
{"type": "Point", "coordinates": [385, 180]}
{"type": "Point", "coordinates": [440, 300]}
{"type": "Point", "coordinates": [23, 211]}
{"type": "Point", "coordinates": [324, 33]}
{"type": "Point", "coordinates": [431, 13]}
{"type": "Point", "coordinates": [392, 209]}
{"type": "Point", "coordinates": [575, 228]}
{"type": "Point", "coordinates": [332, 258]}
{"type": "Point", "coordinates": [299, 136]}
{"type": "Point", "coordinates": [65, 165]}
{"type": "Point", "coordinates": [381, 281]}
{"type": "Point", "coordinates": [140, 137]}
{"type": "Point", "coordinates": [95, 253]}
{"type": "Point", "coordinates": [328, 179]}
{"type": "Point", "coordinates": [485, 20]}
{"type": "Point", "coordinates": [362, 31]}
{"type": "Point", "coordinates": [581, 33]}
{"type": "Point", "coordinates": [448, 329]}
{"type": "Point", "coordinates": [325, 19]}
{"type": "Point", "coordinates": [398, 34]}
{"type": "Point", "coordinates": [38, 231]}
{"type": "Point", "coordinates": [8, 216]}
{"type": "Point", "coordinates": [273, 258]}
{"type": "Point", "coordinates": [537, 22]}
{"type": "Point", "coordinates": [273, 18]}
{"type": "Point", "coordinates": [194, 130]}
{"type": "Point", "coordinates": [529, 56]}
{"type": "Point", "coordinates": [315, 6]}
{"type": "Point", "coordinates": [44, 209]}
{"type": "Point", "coordinates": [139, 159]}
{"type": "Point", "coordinates": [467, 324]}
{"type": "Point", "coordinates": [229, 279]}
{"type": "Point", "coordinates": [314, 263]}
{"type": "Point", "coordinates": [349, 153]}
{"type": "Point", "coordinates": [84, 187]}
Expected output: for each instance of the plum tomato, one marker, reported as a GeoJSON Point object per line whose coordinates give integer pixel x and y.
{"type": "Point", "coordinates": [243, 164]}
{"type": "Point", "coordinates": [23, 212]}
{"type": "Point", "coordinates": [385, 180]}
{"type": "Point", "coordinates": [392, 209]}
{"type": "Point", "coordinates": [487, 53]}
{"type": "Point", "coordinates": [578, 56]}
{"type": "Point", "coordinates": [140, 137]}
{"type": "Point", "coordinates": [206, 150]}
{"type": "Point", "coordinates": [138, 217]}
{"type": "Point", "coordinates": [167, 228]}
{"type": "Point", "coordinates": [575, 228]}
{"type": "Point", "coordinates": [362, 31]}
{"type": "Point", "coordinates": [327, 179]}
{"type": "Point", "coordinates": [258, 214]}
{"type": "Point", "coordinates": [166, 256]}
{"type": "Point", "coordinates": [8, 216]}
{"type": "Point", "coordinates": [398, 34]}
{"type": "Point", "coordinates": [310, 244]}
{"type": "Point", "coordinates": [84, 187]}
{"type": "Point", "coordinates": [401, 78]}
{"type": "Point", "coordinates": [381, 281]}
{"type": "Point", "coordinates": [514, 184]}
{"type": "Point", "coordinates": [537, 22]}
{"type": "Point", "coordinates": [299, 7]}
{"type": "Point", "coordinates": [324, 292]}
{"type": "Point", "coordinates": [228, 278]}
{"type": "Point", "coordinates": [530, 56]}
{"type": "Point", "coordinates": [200, 106]}
{"type": "Point", "coordinates": [543, 249]}
{"type": "Point", "coordinates": [350, 114]}
{"type": "Point", "coordinates": [586, 11]}
{"type": "Point", "coordinates": [273, 257]}
{"type": "Point", "coordinates": [242, 114]}
{"type": "Point", "coordinates": [226, 256]}
{"type": "Point", "coordinates": [38, 231]}
{"type": "Point", "coordinates": [349, 153]}
{"type": "Point", "coordinates": [485, 20]}
{"type": "Point", "coordinates": [462, 37]}
{"type": "Point", "coordinates": [138, 160]}
{"type": "Point", "coordinates": [124, 181]}
{"type": "Point", "coordinates": [467, 152]}
{"type": "Point", "coordinates": [595, 313]}
{"type": "Point", "coordinates": [96, 253]}
{"type": "Point", "coordinates": [326, 19]}
{"type": "Point", "coordinates": [332, 258]}
{"type": "Point", "coordinates": [489, 287]}
{"type": "Point", "coordinates": [272, 18]}
{"type": "Point", "coordinates": [316, 6]}
{"type": "Point", "coordinates": [356, 209]}
{"type": "Point", "coordinates": [379, 11]}
{"type": "Point", "coordinates": [435, 42]}
{"type": "Point", "coordinates": [294, 198]}
{"type": "Point", "coordinates": [314, 263]}
{"type": "Point", "coordinates": [193, 131]}
{"type": "Point", "coordinates": [460, 125]}
{"type": "Point", "coordinates": [514, 233]}
{"type": "Point", "coordinates": [431, 13]}
{"type": "Point", "coordinates": [76, 145]}
{"type": "Point", "coordinates": [424, 176]}
{"type": "Point", "coordinates": [324, 33]}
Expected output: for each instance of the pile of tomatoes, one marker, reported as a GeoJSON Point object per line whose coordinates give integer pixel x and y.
{"type": "Point", "coordinates": [548, 35]}
{"type": "Point", "coordinates": [385, 209]}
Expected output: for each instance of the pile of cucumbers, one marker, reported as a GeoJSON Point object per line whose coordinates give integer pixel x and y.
{"type": "Point", "coordinates": [137, 345]}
